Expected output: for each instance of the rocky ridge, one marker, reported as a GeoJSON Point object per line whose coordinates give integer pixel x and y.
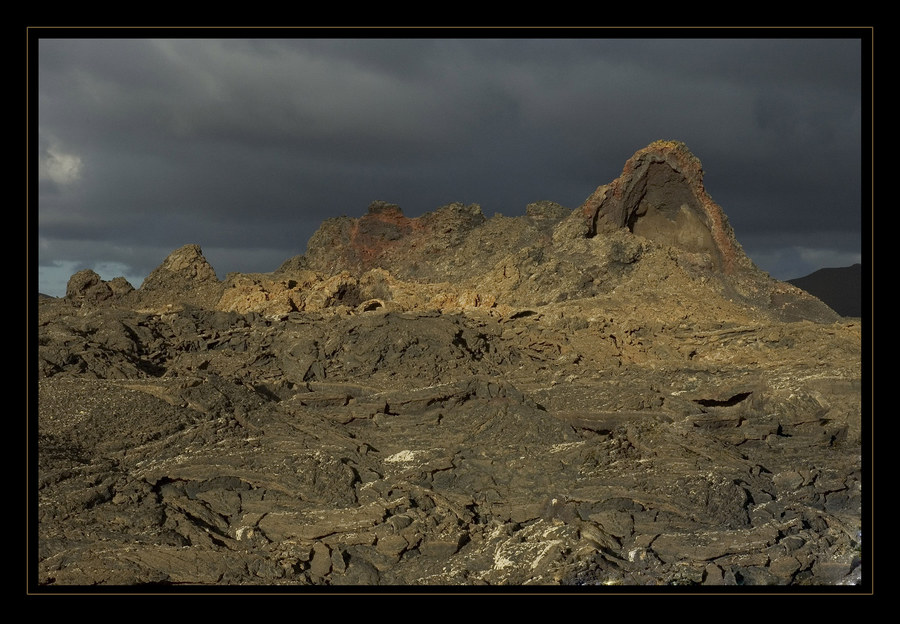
{"type": "Point", "coordinates": [607, 395]}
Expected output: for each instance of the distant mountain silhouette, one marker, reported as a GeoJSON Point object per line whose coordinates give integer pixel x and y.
{"type": "Point", "coordinates": [839, 288]}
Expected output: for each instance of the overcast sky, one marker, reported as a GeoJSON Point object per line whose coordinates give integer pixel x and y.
{"type": "Point", "coordinates": [245, 146]}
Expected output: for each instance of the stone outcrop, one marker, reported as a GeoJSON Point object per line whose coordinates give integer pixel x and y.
{"type": "Point", "coordinates": [607, 395]}
{"type": "Point", "coordinates": [87, 288]}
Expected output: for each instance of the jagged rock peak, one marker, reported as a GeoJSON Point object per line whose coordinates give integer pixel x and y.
{"type": "Point", "coordinates": [660, 196]}
{"type": "Point", "coordinates": [186, 264]}
{"type": "Point", "coordinates": [184, 277]}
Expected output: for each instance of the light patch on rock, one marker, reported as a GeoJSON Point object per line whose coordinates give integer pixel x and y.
{"type": "Point", "coordinates": [565, 446]}
{"type": "Point", "coordinates": [403, 456]}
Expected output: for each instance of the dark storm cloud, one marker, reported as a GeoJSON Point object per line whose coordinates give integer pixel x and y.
{"type": "Point", "coordinates": [245, 146]}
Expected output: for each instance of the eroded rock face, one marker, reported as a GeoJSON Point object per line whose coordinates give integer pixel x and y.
{"type": "Point", "coordinates": [660, 196]}
{"type": "Point", "coordinates": [605, 395]}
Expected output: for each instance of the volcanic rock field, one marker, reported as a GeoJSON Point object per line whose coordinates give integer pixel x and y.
{"type": "Point", "coordinates": [605, 396]}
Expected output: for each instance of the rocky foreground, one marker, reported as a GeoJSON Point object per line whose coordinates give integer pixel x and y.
{"type": "Point", "coordinates": [610, 395]}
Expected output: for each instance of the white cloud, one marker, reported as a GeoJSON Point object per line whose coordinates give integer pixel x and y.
{"type": "Point", "coordinates": [58, 166]}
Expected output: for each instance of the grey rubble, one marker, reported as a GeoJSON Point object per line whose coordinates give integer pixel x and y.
{"type": "Point", "coordinates": [569, 397]}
